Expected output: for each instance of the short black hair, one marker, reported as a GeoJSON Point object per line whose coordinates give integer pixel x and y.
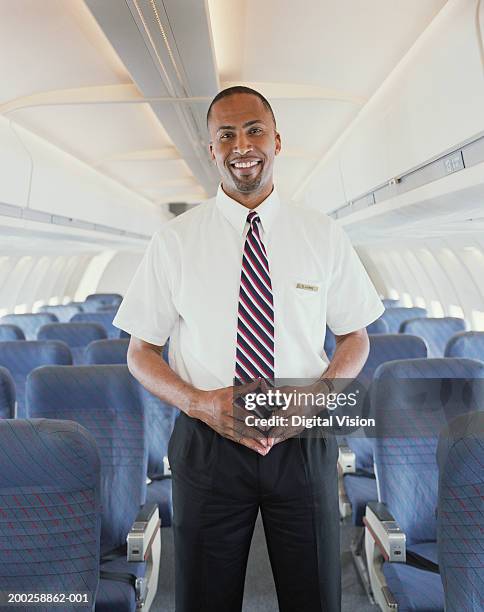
{"type": "Point", "coordinates": [240, 89]}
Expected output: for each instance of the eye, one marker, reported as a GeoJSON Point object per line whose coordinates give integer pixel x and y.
{"type": "Point", "coordinates": [226, 135]}
{"type": "Point", "coordinates": [255, 130]}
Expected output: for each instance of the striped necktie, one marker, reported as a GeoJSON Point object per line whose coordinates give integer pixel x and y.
{"type": "Point", "coordinates": [255, 328]}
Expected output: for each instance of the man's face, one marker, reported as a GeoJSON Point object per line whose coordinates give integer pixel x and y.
{"type": "Point", "coordinates": [243, 143]}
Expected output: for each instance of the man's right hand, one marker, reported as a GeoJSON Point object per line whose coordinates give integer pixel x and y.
{"type": "Point", "coordinates": [217, 410]}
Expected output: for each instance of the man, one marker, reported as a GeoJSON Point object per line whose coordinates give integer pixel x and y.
{"type": "Point", "coordinates": [243, 286]}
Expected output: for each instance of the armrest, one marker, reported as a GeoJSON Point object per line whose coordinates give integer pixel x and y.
{"type": "Point", "coordinates": [346, 460]}
{"type": "Point", "coordinates": [143, 532]}
{"type": "Point", "coordinates": [385, 532]}
{"type": "Point", "coordinates": [144, 544]}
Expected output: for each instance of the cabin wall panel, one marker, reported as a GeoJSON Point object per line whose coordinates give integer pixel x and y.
{"type": "Point", "coordinates": [119, 272]}
{"type": "Point", "coordinates": [14, 167]}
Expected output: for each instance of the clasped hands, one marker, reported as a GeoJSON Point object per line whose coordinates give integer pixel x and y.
{"type": "Point", "coordinates": [224, 411]}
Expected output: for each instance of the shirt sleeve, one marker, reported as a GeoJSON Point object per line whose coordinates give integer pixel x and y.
{"type": "Point", "coordinates": [353, 302]}
{"type": "Point", "coordinates": [147, 310]}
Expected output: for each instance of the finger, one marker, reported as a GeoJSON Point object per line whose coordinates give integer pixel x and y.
{"type": "Point", "coordinates": [257, 442]}
{"type": "Point", "coordinates": [249, 443]}
{"type": "Point", "coordinates": [246, 388]}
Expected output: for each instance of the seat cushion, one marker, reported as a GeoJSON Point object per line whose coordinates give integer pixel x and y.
{"type": "Point", "coordinates": [159, 492]}
{"type": "Point", "coordinates": [360, 490]}
{"type": "Point", "coordinates": [414, 589]}
{"type": "Point", "coordinates": [115, 595]}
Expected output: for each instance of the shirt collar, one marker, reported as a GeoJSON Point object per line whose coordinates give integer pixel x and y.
{"type": "Point", "coordinates": [236, 213]}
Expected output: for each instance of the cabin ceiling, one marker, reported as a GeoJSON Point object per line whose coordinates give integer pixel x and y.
{"type": "Point", "coordinates": [78, 73]}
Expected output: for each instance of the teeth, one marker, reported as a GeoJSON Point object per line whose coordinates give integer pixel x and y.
{"type": "Point", "coordinates": [245, 164]}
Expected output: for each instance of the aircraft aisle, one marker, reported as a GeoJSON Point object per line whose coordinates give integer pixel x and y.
{"type": "Point", "coordinates": [260, 595]}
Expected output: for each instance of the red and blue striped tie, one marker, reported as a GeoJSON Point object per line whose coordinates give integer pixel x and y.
{"type": "Point", "coordinates": [255, 328]}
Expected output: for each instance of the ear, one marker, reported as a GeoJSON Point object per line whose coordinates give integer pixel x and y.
{"type": "Point", "coordinates": [210, 151]}
{"type": "Point", "coordinates": [278, 143]}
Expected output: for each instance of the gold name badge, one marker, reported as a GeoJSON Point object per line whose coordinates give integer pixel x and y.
{"type": "Point", "coordinates": [307, 287]}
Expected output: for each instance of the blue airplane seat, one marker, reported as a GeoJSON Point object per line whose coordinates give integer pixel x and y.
{"type": "Point", "coordinates": [107, 351]}
{"type": "Point", "coordinates": [30, 323]}
{"type": "Point", "coordinates": [395, 316]}
{"type": "Point", "coordinates": [377, 327]}
{"type": "Point", "coordinates": [9, 332]}
{"type": "Point", "coordinates": [329, 343]}
{"type": "Point", "coordinates": [460, 518]}
{"type": "Point", "coordinates": [390, 303]}
{"type": "Point", "coordinates": [50, 500]}
{"type": "Point", "coordinates": [412, 400]}
{"type": "Point", "coordinates": [466, 344]}
{"type": "Point", "coordinates": [105, 400]}
{"type": "Point", "coordinates": [76, 335]}
{"type": "Point", "coordinates": [97, 301]}
{"type": "Point", "coordinates": [63, 312]}
{"type": "Point", "coordinates": [435, 331]}
{"type": "Point", "coordinates": [383, 348]}
{"type": "Point", "coordinates": [102, 318]}
{"type": "Point", "coordinates": [7, 394]}
{"type": "Point", "coordinates": [160, 420]}
{"type": "Point", "coordinates": [20, 358]}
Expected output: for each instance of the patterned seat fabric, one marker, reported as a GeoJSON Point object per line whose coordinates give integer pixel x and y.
{"type": "Point", "coordinates": [50, 505]}
{"type": "Point", "coordinates": [411, 401]}
{"type": "Point", "coordinates": [29, 323]}
{"type": "Point", "coordinates": [435, 332]}
{"type": "Point", "coordinates": [395, 316]}
{"type": "Point", "coordinates": [466, 344]}
{"type": "Point", "coordinates": [7, 394]}
{"type": "Point", "coordinates": [64, 312]}
{"type": "Point", "coordinates": [76, 335]}
{"type": "Point", "coordinates": [460, 524]}
{"type": "Point", "coordinates": [107, 352]}
{"type": "Point", "coordinates": [101, 318]}
{"type": "Point", "coordinates": [160, 420]}
{"type": "Point", "coordinates": [20, 358]}
{"type": "Point", "coordinates": [105, 400]}
{"type": "Point", "coordinates": [383, 348]}
{"type": "Point", "coordinates": [10, 332]}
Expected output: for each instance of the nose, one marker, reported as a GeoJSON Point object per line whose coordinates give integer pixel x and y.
{"type": "Point", "coordinates": [242, 144]}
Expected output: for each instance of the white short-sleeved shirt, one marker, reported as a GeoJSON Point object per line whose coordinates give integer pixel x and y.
{"type": "Point", "coordinates": [187, 289]}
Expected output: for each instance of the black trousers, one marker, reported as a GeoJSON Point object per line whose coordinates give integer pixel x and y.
{"type": "Point", "coordinates": [219, 487]}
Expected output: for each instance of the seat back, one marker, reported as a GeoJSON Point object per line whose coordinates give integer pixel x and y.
{"type": "Point", "coordinates": [377, 327]}
{"type": "Point", "coordinates": [329, 343]}
{"type": "Point", "coordinates": [390, 303]}
{"type": "Point", "coordinates": [105, 400]}
{"type": "Point", "coordinates": [20, 358]}
{"type": "Point", "coordinates": [50, 507]}
{"type": "Point", "coordinates": [101, 318]}
{"type": "Point", "coordinates": [411, 401]}
{"type": "Point", "coordinates": [460, 524]}
{"type": "Point", "coordinates": [466, 344]}
{"type": "Point", "coordinates": [94, 301]}
{"type": "Point", "coordinates": [107, 351]}
{"type": "Point", "coordinates": [29, 323]}
{"type": "Point", "coordinates": [76, 335]}
{"type": "Point", "coordinates": [435, 331]}
{"type": "Point", "coordinates": [7, 394]}
{"type": "Point", "coordinates": [395, 316]}
{"type": "Point", "coordinates": [63, 312]}
{"type": "Point", "coordinates": [383, 348]}
{"type": "Point", "coordinates": [9, 332]}
{"type": "Point", "coordinates": [159, 416]}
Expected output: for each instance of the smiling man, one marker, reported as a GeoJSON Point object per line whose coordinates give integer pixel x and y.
{"type": "Point", "coordinates": [243, 286]}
